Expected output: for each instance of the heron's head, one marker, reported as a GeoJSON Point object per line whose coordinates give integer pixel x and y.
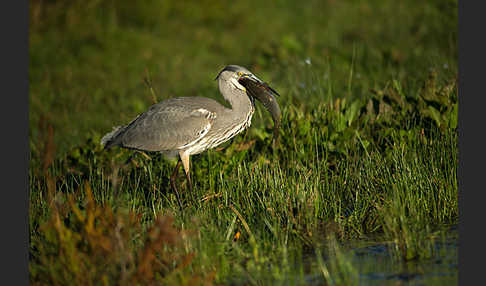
{"type": "Point", "coordinates": [241, 78]}
{"type": "Point", "coordinates": [230, 76]}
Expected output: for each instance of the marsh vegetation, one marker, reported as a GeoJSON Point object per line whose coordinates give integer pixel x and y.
{"type": "Point", "coordinates": [367, 151]}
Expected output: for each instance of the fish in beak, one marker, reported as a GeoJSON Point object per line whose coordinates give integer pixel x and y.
{"type": "Point", "coordinates": [266, 95]}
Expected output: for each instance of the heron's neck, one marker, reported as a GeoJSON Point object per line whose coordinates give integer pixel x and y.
{"type": "Point", "coordinates": [240, 103]}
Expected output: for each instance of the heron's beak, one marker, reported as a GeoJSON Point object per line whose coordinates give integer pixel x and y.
{"type": "Point", "coordinates": [266, 95]}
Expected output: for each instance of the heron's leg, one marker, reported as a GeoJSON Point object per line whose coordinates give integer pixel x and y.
{"type": "Point", "coordinates": [185, 162]}
{"type": "Point", "coordinates": [173, 180]}
{"type": "Point", "coordinates": [173, 177]}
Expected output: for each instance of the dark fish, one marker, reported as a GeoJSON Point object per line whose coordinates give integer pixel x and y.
{"type": "Point", "coordinates": [266, 95]}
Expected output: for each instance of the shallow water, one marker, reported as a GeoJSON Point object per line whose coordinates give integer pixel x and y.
{"type": "Point", "coordinates": [377, 266]}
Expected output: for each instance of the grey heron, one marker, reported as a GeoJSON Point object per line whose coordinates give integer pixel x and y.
{"type": "Point", "coordinates": [184, 126]}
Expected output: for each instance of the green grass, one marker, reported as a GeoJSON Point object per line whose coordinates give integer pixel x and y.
{"type": "Point", "coordinates": [368, 143]}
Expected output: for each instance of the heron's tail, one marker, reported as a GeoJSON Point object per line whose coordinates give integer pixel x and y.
{"type": "Point", "coordinates": [107, 140]}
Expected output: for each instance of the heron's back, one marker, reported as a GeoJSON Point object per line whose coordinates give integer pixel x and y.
{"type": "Point", "coordinates": [168, 125]}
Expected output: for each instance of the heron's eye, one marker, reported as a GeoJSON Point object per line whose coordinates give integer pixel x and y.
{"type": "Point", "coordinates": [240, 73]}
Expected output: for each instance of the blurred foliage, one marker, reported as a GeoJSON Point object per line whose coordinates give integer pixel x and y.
{"type": "Point", "coordinates": [87, 243]}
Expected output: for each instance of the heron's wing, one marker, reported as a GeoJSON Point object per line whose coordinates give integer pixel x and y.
{"type": "Point", "coordinates": [170, 125]}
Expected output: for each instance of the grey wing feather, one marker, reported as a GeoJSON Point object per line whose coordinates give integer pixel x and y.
{"type": "Point", "coordinates": [169, 125]}
{"type": "Point", "coordinates": [109, 136]}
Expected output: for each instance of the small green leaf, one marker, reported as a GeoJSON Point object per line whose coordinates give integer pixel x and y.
{"type": "Point", "coordinates": [352, 111]}
{"type": "Point", "coordinates": [435, 114]}
{"type": "Point", "coordinates": [340, 123]}
{"type": "Point", "coordinates": [453, 117]}
{"type": "Point", "coordinates": [366, 143]}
